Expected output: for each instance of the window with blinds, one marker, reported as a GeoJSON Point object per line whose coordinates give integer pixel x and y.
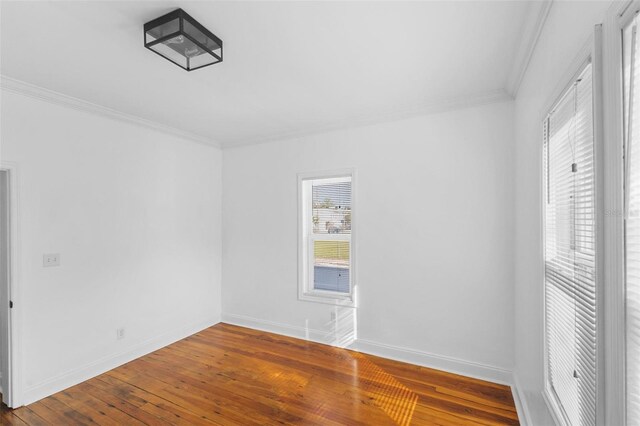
{"type": "Point", "coordinates": [632, 223]}
{"type": "Point", "coordinates": [326, 219]}
{"type": "Point", "coordinates": [570, 256]}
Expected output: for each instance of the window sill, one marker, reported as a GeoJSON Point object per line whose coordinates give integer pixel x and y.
{"type": "Point", "coordinates": [328, 299]}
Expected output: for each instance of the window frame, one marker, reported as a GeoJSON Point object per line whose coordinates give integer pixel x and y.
{"type": "Point", "coordinates": [617, 22]}
{"type": "Point", "coordinates": [306, 238]}
{"type": "Point", "coordinates": [591, 53]}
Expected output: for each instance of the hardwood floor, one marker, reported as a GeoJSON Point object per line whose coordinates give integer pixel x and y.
{"type": "Point", "coordinates": [229, 375]}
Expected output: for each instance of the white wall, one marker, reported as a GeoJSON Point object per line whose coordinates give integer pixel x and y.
{"type": "Point", "coordinates": [135, 215]}
{"type": "Point", "coordinates": [435, 201]}
{"type": "Point", "coordinates": [566, 31]}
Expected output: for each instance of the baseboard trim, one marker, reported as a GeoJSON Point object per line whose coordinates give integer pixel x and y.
{"type": "Point", "coordinates": [451, 365]}
{"type": "Point", "coordinates": [298, 332]}
{"type": "Point", "coordinates": [438, 362]}
{"type": "Point", "coordinates": [444, 363]}
{"type": "Point", "coordinates": [521, 403]}
{"type": "Point", "coordinates": [93, 369]}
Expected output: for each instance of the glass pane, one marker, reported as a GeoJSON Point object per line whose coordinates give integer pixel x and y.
{"type": "Point", "coordinates": [331, 206]}
{"type": "Point", "coordinates": [200, 37]}
{"type": "Point", "coordinates": [201, 60]}
{"type": "Point", "coordinates": [331, 265]}
{"type": "Point", "coordinates": [162, 30]}
{"type": "Point", "coordinates": [184, 46]}
{"type": "Point", "coordinates": [184, 52]}
{"type": "Point", "coordinates": [171, 54]}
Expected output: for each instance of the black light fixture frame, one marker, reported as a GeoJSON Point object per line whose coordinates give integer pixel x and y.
{"type": "Point", "coordinates": [182, 16]}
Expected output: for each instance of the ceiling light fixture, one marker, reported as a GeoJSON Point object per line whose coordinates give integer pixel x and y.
{"type": "Point", "coordinates": [181, 39]}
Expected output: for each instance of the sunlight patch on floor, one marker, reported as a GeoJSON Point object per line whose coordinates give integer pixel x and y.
{"type": "Point", "coordinates": [395, 399]}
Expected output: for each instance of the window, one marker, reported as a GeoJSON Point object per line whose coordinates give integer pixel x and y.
{"type": "Point", "coordinates": [326, 232]}
{"type": "Point", "coordinates": [570, 255]}
{"type": "Point", "coordinates": [631, 60]}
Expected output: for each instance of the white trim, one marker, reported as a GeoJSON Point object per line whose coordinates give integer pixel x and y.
{"type": "Point", "coordinates": [528, 43]}
{"type": "Point", "coordinates": [598, 153]}
{"type": "Point", "coordinates": [100, 366]}
{"type": "Point", "coordinates": [427, 108]}
{"type": "Point", "coordinates": [440, 362]}
{"type": "Point", "coordinates": [520, 400]}
{"type": "Point", "coordinates": [296, 331]}
{"type": "Point", "coordinates": [6, 332]}
{"type": "Point", "coordinates": [14, 395]}
{"type": "Point", "coordinates": [13, 85]}
{"type": "Point", "coordinates": [617, 17]}
{"type": "Point", "coordinates": [553, 408]}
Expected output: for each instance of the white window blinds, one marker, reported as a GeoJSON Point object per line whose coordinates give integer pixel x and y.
{"type": "Point", "coordinates": [632, 223]}
{"type": "Point", "coordinates": [570, 279]}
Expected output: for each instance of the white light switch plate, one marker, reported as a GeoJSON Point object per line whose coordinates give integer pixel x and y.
{"type": "Point", "coordinates": [51, 260]}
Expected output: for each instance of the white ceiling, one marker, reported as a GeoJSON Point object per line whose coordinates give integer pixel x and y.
{"type": "Point", "coordinates": [289, 67]}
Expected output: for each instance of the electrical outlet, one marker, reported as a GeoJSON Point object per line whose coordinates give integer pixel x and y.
{"type": "Point", "coordinates": [333, 316]}
{"type": "Point", "coordinates": [51, 260]}
{"type": "Point", "coordinates": [120, 333]}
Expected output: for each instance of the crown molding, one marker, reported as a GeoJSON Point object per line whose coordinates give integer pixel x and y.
{"type": "Point", "coordinates": [528, 41]}
{"type": "Point", "coordinates": [13, 85]}
{"type": "Point", "coordinates": [426, 108]}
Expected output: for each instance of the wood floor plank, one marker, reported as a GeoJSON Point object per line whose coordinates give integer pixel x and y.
{"type": "Point", "coordinates": [123, 405]}
{"type": "Point", "coordinates": [70, 415]}
{"type": "Point", "coordinates": [326, 391]}
{"type": "Point", "coordinates": [150, 403]}
{"type": "Point", "coordinates": [284, 395]}
{"type": "Point", "coordinates": [8, 418]}
{"type": "Point", "coordinates": [99, 411]}
{"type": "Point", "coordinates": [226, 400]}
{"type": "Point", "coordinates": [229, 375]}
{"type": "Point", "coordinates": [29, 417]}
{"type": "Point", "coordinates": [205, 406]}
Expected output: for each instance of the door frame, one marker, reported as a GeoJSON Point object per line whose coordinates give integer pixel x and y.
{"type": "Point", "coordinates": [13, 396]}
